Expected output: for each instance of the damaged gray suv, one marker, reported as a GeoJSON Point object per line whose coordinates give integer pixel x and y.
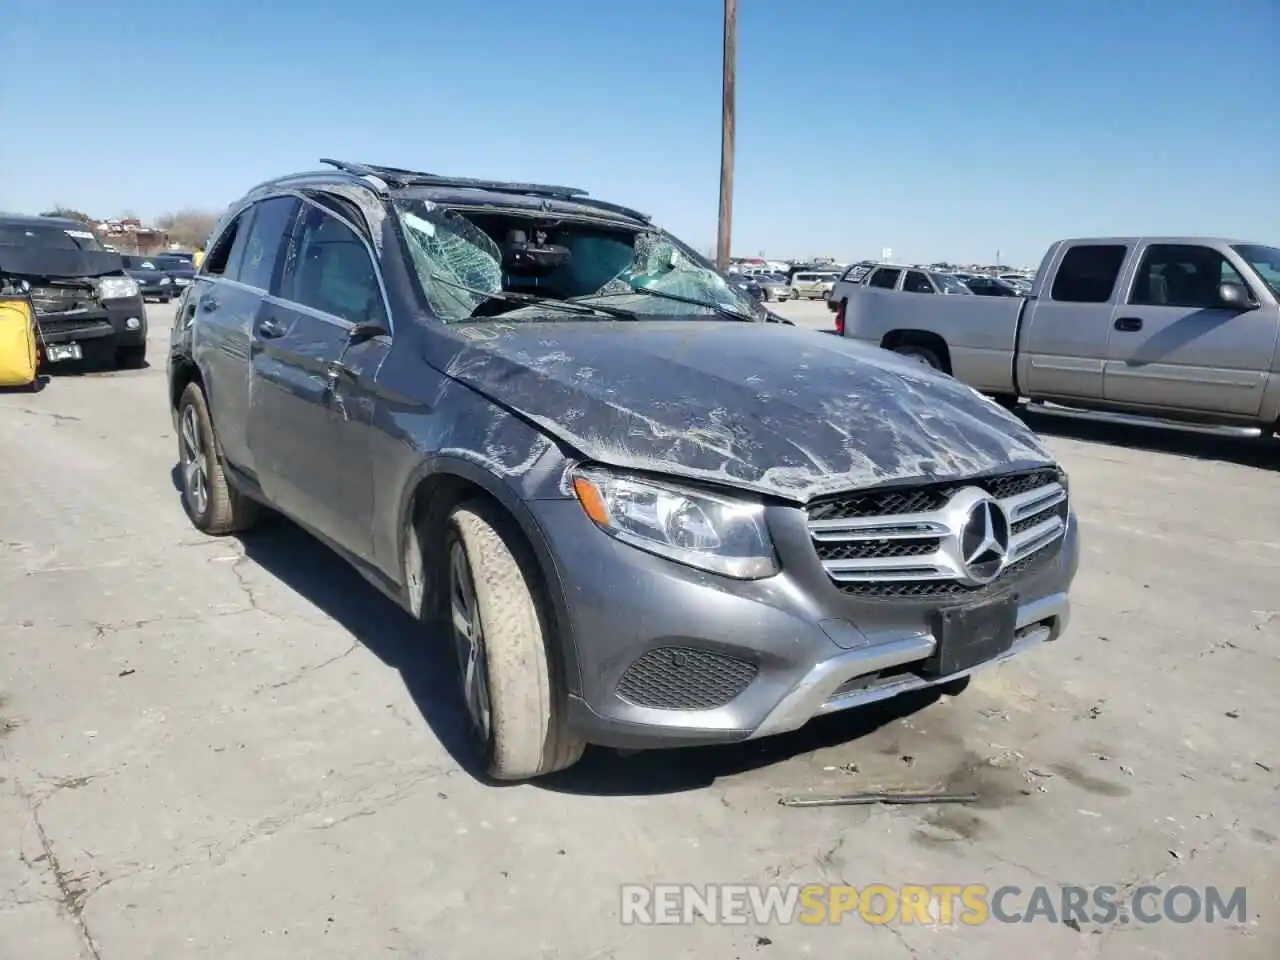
{"type": "Point", "coordinates": [646, 511]}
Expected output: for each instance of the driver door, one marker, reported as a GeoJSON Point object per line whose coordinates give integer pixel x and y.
{"type": "Point", "coordinates": [1174, 344]}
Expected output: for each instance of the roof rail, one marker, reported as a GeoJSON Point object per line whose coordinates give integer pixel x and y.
{"type": "Point", "coordinates": [410, 178]}
{"type": "Point", "coordinates": [413, 178]}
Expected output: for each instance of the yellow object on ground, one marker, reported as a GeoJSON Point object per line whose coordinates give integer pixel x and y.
{"type": "Point", "coordinates": [18, 357]}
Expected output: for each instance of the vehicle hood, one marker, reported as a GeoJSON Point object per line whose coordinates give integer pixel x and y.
{"type": "Point", "coordinates": [775, 409]}
{"type": "Point", "coordinates": [34, 261]}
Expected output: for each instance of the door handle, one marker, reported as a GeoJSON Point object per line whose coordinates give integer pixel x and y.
{"type": "Point", "coordinates": [208, 304]}
{"type": "Point", "coordinates": [270, 329]}
{"type": "Point", "coordinates": [1128, 323]}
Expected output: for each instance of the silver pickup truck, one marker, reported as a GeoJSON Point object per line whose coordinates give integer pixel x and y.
{"type": "Point", "coordinates": [1171, 328]}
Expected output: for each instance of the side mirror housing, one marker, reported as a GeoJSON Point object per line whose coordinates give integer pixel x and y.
{"type": "Point", "coordinates": [1235, 297]}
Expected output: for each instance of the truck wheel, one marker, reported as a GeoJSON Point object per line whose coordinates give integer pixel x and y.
{"type": "Point", "coordinates": [214, 506]}
{"type": "Point", "coordinates": [924, 355]}
{"type": "Point", "coordinates": [514, 701]}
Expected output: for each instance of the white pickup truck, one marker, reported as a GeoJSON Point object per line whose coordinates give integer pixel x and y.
{"type": "Point", "coordinates": [1169, 328]}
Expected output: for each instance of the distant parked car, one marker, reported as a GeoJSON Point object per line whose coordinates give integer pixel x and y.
{"type": "Point", "coordinates": [887, 276]}
{"type": "Point", "coordinates": [153, 280]}
{"type": "Point", "coordinates": [748, 285]}
{"type": "Point", "coordinates": [180, 271]}
{"type": "Point", "coordinates": [991, 287]}
{"type": "Point", "coordinates": [774, 286]}
{"type": "Point", "coordinates": [812, 286]}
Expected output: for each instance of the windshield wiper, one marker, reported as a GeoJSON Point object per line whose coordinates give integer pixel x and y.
{"type": "Point", "coordinates": [719, 308]}
{"type": "Point", "coordinates": [532, 300]}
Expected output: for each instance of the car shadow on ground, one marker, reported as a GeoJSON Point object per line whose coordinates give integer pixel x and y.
{"type": "Point", "coordinates": [1261, 452]}
{"type": "Point", "coordinates": [426, 667]}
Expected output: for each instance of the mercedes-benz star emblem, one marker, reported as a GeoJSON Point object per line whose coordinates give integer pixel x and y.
{"type": "Point", "coordinates": [984, 541]}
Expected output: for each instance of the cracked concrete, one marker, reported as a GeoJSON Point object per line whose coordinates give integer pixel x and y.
{"type": "Point", "coordinates": [212, 748]}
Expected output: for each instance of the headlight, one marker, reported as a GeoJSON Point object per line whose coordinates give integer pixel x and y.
{"type": "Point", "coordinates": [117, 288]}
{"type": "Point", "coordinates": [700, 529]}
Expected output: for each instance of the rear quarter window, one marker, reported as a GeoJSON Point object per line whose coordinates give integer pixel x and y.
{"type": "Point", "coordinates": [1088, 273]}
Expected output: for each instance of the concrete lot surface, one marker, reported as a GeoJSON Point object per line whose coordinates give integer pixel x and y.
{"type": "Point", "coordinates": [215, 748]}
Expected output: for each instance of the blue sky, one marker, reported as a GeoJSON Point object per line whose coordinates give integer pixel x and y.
{"type": "Point", "coordinates": [940, 130]}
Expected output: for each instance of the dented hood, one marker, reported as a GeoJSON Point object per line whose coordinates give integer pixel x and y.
{"type": "Point", "coordinates": [771, 408]}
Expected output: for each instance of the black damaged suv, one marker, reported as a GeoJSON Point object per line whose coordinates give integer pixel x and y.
{"type": "Point", "coordinates": [85, 303]}
{"type": "Point", "coordinates": [644, 514]}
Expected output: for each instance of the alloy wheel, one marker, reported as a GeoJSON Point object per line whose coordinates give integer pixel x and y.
{"type": "Point", "coordinates": [195, 462]}
{"type": "Point", "coordinates": [468, 636]}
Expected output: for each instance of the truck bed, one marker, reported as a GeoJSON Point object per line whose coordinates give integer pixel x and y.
{"type": "Point", "coordinates": [981, 332]}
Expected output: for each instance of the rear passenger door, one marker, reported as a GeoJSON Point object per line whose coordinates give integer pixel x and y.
{"type": "Point", "coordinates": [1175, 344]}
{"type": "Point", "coordinates": [311, 390]}
{"type": "Point", "coordinates": [1064, 343]}
{"type": "Point", "coordinates": [225, 306]}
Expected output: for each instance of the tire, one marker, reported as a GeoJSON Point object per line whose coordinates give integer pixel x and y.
{"type": "Point", "coordinates": [924, 355]}
{"type": "Point", "coordinates": [222, 509]}
{"type": "Point", "coordinates": [526, 734]}
{"type": "Point", "coordinates": [133, 357]}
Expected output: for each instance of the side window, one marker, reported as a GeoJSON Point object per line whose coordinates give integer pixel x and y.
{"type": "Point", "coordinates": [884, 279]}
{"type": "Point", "coordinates": [328, 268]}
{"type": "Point", "coordinates": [917, 282]}
{"type": "Point", "coordinates": [228, 250]}
{"type": "Point", "coordinates": [264, 238]}
{"type": "Point", "coordinates": [1087, 274]}
{"type": "Point", "coordinates": [1181, 275]}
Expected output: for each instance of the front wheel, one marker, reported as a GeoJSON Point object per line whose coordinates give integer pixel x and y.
{"type": "Point", "coordinates": [514, 700]}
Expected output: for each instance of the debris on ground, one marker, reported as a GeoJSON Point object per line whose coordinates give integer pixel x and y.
{"type": "Point", "coordinates": [866, 799]}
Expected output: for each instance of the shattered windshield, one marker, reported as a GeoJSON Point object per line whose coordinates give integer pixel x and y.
{"type": "Point", "coordinates": [579, 261]}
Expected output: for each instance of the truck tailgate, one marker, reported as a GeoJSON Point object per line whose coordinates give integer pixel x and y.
{"type": "Point", "coordinates": [980, 332]}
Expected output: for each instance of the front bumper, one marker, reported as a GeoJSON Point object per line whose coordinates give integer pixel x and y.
{"type": "Point", "coordinates": [110, 321]}
{"type": "Point", "coordinates": [811, 649]}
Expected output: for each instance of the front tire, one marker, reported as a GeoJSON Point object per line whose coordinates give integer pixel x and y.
{"type": "Point", "coordinates": [212, 504]}
{"type": "Point", "coordinates": [509, 677]}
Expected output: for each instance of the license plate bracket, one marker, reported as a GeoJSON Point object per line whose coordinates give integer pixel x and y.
{"type": "Point", "coordinates": [55, 352]}
{"type": "Point", "coordinates": [969, 636]}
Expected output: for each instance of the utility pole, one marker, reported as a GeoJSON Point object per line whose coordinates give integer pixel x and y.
{"type": "Point", "coordinates": [723, 242]}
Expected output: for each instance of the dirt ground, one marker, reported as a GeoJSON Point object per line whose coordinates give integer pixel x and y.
{"type": "Point", "coordinates": [235, 748]}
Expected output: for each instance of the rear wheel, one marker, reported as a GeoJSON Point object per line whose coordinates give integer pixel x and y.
{"type": "Point", "coordinates": [514, 700]}
{"type": "Point", "coordinates": [214, 506]}
{"type": "Point", "coordinates": [924, 355]}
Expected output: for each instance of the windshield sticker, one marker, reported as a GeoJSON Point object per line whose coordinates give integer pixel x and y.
{"type": "Point", "coordinates": [79, 234]}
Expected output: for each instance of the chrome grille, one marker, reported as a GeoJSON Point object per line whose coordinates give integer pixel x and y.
{"type": "Point", "coordinates": [906, 542]}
